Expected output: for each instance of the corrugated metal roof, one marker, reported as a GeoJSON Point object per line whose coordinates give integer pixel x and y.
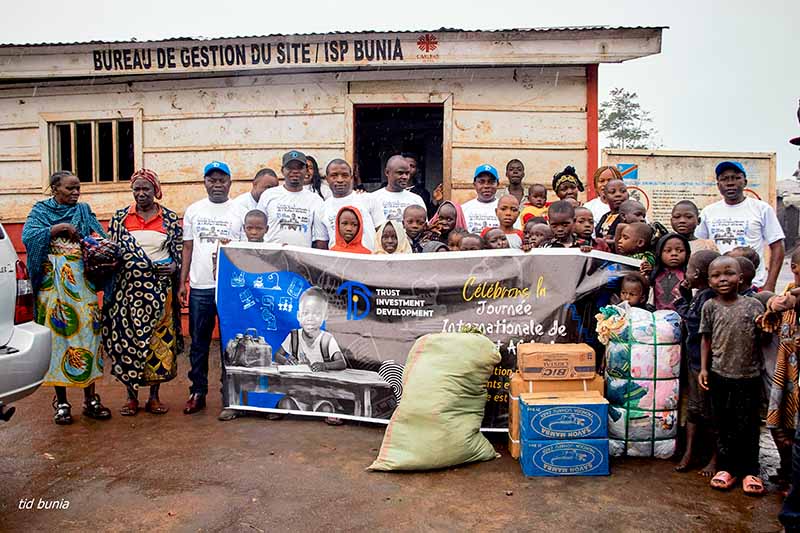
{"type": "Point", "coordinates": [440, 30]}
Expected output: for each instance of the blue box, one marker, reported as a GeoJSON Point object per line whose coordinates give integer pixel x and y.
{"type": "Point", "coordinates": [586, 457]}
{"type": "Point", "coordinates": [565, 415]}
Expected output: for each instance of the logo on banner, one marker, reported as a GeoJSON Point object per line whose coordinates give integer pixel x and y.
{"type": "Point", "coordinates": [356, 293]}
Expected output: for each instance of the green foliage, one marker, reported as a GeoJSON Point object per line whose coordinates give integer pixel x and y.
{"type": "Point", "coordinates": [624, 121]}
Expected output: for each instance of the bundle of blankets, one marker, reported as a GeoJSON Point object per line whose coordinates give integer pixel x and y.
{"type": "Point", "coordinates": [642, 374]}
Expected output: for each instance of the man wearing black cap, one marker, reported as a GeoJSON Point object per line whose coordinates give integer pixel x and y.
{"type": "Point", "coordinates": [290, 209]}
{"type": "Point", "coordinates": [737, 220]}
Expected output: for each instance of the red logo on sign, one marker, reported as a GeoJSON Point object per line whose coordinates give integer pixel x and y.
{"type": "Point", "coordinates": [427, 43]}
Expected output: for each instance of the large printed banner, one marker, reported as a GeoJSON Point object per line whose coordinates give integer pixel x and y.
{"type": "Point", "coordinates": [319, 333]}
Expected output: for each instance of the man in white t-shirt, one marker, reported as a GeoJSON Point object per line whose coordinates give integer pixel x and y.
{"type": "Point", "coordinates": [394, 198]}
{"type": "Point", "coordinates": [206, 224]}
{"type": "Point", "coordinates": [340, 178]}
{"type": "Point", "coordinates": [480, 211]}
{"type": "Point", "coordinates": [263, 180]}
{"type": "Point", "coordinates": [290, 209]}
{"type": "Point", "coordinates": [737, 220]}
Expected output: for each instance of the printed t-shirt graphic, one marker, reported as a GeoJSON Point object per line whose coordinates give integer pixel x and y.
{"type": "Point", "coordinates": [207, 224]}
{"type": "Point", "coordinates": [480, 215]}
{"type": "Point", "coordinates": [290, 215]}
{"type": "Point", "coordinates": [371, 214]}
{"type": "Point", "coordinates": [394, 203]}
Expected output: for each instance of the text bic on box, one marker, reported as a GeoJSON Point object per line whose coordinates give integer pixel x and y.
{"type": "Point", "coordinates": [541, 362]}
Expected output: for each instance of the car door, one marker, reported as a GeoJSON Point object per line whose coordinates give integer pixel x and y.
{"type": "Point", "coordinates": [8, 286]}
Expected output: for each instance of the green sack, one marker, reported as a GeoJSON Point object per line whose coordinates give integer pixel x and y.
{"type": "Point", "coordinates": [437, 423]}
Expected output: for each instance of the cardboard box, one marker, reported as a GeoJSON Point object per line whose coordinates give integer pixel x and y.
{"type": "Point", "coordinates": [519, 386]}
{"type": "Point", "coordinates": [586, 457]}
{"type": "Point", "coordinates": [555, 361]}
{"type": "Point", "coordinates": [563, 416]}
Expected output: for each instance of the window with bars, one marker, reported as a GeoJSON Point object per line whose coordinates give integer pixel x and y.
{"type": "Point", "coordinates": [97, 151]}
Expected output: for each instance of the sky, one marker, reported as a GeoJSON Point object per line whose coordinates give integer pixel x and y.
{"type": "Point", "coordinates": [727, 78]}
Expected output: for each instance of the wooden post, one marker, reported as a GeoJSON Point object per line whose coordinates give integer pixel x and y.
{"type": "Point", "coordinates": [592, 136]}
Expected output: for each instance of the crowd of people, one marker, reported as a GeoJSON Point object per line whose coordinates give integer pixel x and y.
{"type": "Point", "coordinates": [717, 269]}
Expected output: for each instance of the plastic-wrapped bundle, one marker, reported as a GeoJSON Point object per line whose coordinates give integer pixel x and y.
{"type": "Point", "coordinates": [642, 373]}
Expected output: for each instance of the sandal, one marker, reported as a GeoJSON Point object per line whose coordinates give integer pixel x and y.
{"type": "Point", "coordinates": [94, 409]}
{"type": "Point", "coordinates": [722, 480]}
{"type": "Point", "coordinates": [63, 416]}
{"type": "Point", "coordinates": [155, 407]}
{"type": "Point", "coordinates": [130, 408]}
{"type": "Point", "coordinates": [753, 486]}
{"type": "Point", "coordinates": [333, 421]}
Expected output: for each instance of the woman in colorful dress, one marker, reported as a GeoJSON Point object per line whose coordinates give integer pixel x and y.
{"type": "Point", "coordinates": [141, 313]}
{"type": "Point", "coordinates": [66, 301]}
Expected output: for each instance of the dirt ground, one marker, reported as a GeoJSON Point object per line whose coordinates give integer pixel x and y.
{"type": "Point", "coordinates": [193, 473]}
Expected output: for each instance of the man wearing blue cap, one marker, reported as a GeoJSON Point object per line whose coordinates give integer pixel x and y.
{"type": "Point", "coordinates": [737, 220]}
{"type": "Point", "coordinates": [206, 224]}
{"type": "Point", "coordinates": [291, 208]}
{"type": "Point", "coordinates": [480, 211]}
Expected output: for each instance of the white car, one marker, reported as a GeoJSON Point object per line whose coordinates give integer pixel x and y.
{"type": "Point", "coordinates": [24, 344]}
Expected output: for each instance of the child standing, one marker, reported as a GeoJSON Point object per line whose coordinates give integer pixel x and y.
{"type": "Point", "coordinates": [584, 229]}
{"type": "Point", "coordinates": [495, 239]}
{"type": "Point", "coordinates": [507, 214]}
{"type": "Point", "coordinates": [689, 308]}
{"type": "Point", "coordinates": [634, 241]}
{"type": "Point", "coordinates": [536, 206]}
{"type": "Point", "coordinates": [635, 290]}
{"type": "Point", "coordinates": [749, 262]}
{"type": "Point", "coordinates": [349, 227]}
{"type": "Point", "coordinates": [447, 218]}
{"type": "Point", "coordinates": [255, 225]}
{"type": "Point", "coordinates": [391, 239]}
{"type": "Point", "coordinates": [684, 220]}
{"type": "Point", "coordinates": [472, 242]}
{"type": "Point", "coordinates": [672, 255]}
{"type": "Point", "coordinates": [536, 234]}
{"type": "Point", "coordinates": [454, 239]}
{"type": "Point", "coordinates": [616, 193]}
{"type": "Point", "coordinates": [561, 215]}
{"type": "Point", "coordinates": [730, 368]}
{"type": "Point", "coordinates": [414, 220]}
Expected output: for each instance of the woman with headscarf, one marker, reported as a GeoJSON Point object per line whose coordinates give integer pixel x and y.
{"type": "Point", "coordinates": [391, 239]}
{"type": "Point", "coordinates": [66, 302]}
{"type": "Point", "coordinates": [566, 184]}
{"type": "Point", "coordinates": [598, 205]}
{"type": "Point", "coordinates": [141, 315]}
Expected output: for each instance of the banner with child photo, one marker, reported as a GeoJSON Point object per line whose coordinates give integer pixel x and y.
{"type": "Point", "coordinates": [326, 334]}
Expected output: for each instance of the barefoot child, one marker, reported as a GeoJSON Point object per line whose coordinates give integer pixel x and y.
{"type": "Point", "coordinates": [730, 368]}
{"type": "Point", "coordinates": [672, 255]}
{"type": "Point", "coordinates": [684, 220]}
{"type": "Point", "coordinates": [507, 212]}
{"type": "Point", "coordinates": [391, 239]}
{"type": "Point", "coordinates": [699, 404]}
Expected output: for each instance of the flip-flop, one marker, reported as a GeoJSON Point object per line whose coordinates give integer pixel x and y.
{"type": "Point", "coordinates": [753, 486]}
{"type": "Point", "coordinates": [722, 480]}
{"type": "Point", "coordinates": [155, 407]}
